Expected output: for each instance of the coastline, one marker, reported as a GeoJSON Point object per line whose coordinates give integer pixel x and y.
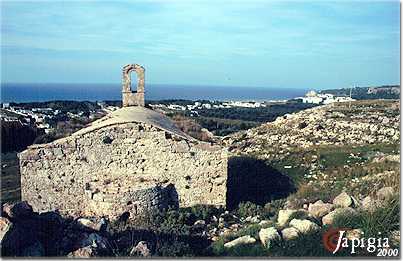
{"type": "Point", "coordinates": [103, 92]}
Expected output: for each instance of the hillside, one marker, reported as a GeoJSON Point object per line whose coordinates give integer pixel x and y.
{"type": "Point", "coordinates": [368, 93]}
{"type": "Point", "coordinates": [332, 145]}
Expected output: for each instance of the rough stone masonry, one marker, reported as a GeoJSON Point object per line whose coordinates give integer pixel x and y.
{"type": "Point", "coordinates": [130, 98]}
{"type": "Point", "coordinates": [131, 161]}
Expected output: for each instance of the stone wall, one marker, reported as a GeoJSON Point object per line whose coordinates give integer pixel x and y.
{"type": "Point", "coordinates": [124, 167]}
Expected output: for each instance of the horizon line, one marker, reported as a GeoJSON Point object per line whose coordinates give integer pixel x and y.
{"type": "Point", "coordinates": [202, 85]}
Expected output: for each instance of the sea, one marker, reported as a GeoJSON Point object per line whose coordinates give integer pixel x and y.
{"type": "Point", "coordinates": [35, 92]}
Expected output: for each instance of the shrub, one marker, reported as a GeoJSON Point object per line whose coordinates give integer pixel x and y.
{"type": "Point", "coordinates": [271, 209]}
{"type": "Point", "coordinates": [250, 250]}
{"type": "Point", "coordinates": [251, 230]}
{"type": "Point", "coordinates": [173, 249]}
{"type": "Point", "coordinates": [205, 212]}
{"type": "Point", "coordinates": [246, 209]}
{"type": "Point", "coordinates": [173, 221]}
{"type": "Point", "coordinates": [217, 247]}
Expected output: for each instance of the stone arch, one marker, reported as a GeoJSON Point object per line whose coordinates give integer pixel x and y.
{"type": "Point", "coordinates": [129, 97]}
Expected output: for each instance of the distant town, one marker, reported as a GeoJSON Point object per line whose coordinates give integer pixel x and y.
{"type": "Point", "coordinates": [43, 118]}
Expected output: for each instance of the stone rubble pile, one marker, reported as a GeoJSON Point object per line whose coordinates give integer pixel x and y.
{"type": "Point", "coordinates": [292, 223]}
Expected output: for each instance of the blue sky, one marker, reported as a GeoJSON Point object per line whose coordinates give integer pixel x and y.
{"type": "Point", "coordinates": [300, 44]}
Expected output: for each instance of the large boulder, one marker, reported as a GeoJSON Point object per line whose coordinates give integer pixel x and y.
{"type": "Point", "coordinates": [289, 233]}
{"type": "Point", "coordinates": [385, 193]}
{"type": "Point", "coordinates": [319, 209]}
{"type": "Point", "coordinates": [329, 218]}
{"type": "Point", "coordinates": [89, 225]}
{"type": "Point", "coordinates": [343, 200]}
{"type": "Point", "coordinates": [268, 236]}
{"type": "Point", "coordinates": [284, 216]}
{"type": "Point", "coordinates": [244, 240]}
{"type": "Point", "coordinates": [141, 249]}
{"type": "Point", "coordinates": [304, 226]}
{"type": "Point", "coordinates": [369, 204]}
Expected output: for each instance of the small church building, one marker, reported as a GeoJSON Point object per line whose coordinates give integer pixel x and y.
{"type": "Point", "coordinates": [133, 160]}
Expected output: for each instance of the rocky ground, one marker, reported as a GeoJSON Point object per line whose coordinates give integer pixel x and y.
{"type": "Point", "coordinates": [249, 231]}
{"type": "Point", "coordinates": [338, 146]}
{"type": "Point", "coordinates": [362, 122]}
{"type": "Point", "coordinates": [344, 160]}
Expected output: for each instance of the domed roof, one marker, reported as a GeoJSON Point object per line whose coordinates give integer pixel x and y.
{"type": "Point", "coordinates": [136, 114]}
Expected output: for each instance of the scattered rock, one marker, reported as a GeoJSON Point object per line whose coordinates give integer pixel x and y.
{"type": "Point", "coordinates": [265, 222]}
{"type": "Point", "coordinates": [304, 226]}
{"type": "Point", "coordinates": [385, 193]}
{"type": "Point", "coordinates": [255, 219]}
{"type": "Point", "coordinates": [88, 225]}
{"type": "Point", "coordinates": [284, 216]}
{"type": "Point", "coordinates": [83, 252]}
{"type": "Point", "coordinates": [319, 209]}
{"type": "Point", "coordinates": [394, 237]}
{"type": "Point", "coordinates": [235, 226]}
{"type": "Point", "coordinates": [248, 219]}
{"type": "Point", "coordinates": [343, 200]}
{"type": "Point", "coordinates": [214, 219]}
{"type": "Point", "coordinates": [368, 203]}
{"type": "Point", "coordinates": [289, 233]}
{"type": "Point", "coordinates": [329, 218]}
{"type": "Point", "coordinates": [244, 240]}
{"type": "Point", "coordinates": [141, 249]}
{"type": "Point", "coordinates": [268, 236]}
{"type": "Point", "coordinates": [215, 238]}
{"type": "Point", "coordinates": [200, 223]}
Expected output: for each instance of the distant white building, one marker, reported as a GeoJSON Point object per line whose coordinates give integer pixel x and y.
{"type": "Point", "coordinates": [311, 94]}
{"type": "Point", "coordinates": [323, 98]}
{"type": "Point", "coordinates": [176, 107]}
{"type": "Point", "coordinates": [344, 99]}
{"type": "Point", "coordinates": [243, 104]}
{"type": "Point", "coordinates": [314, 100]}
